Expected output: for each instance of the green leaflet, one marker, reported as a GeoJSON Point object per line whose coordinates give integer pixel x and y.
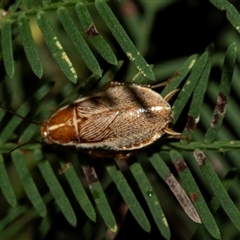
{"type": "Point", "coordinates": [28, 183]}
{"type": "Point", "coordinates": [29, 45]}
{"type": "Point", "coordinates": [94, 37]}
{"type": "Point", "coordinates": [7, 51]}
{"type": "Point", "coordinates": [121, 36]}
{"type": "Point", "coordinates": [78, 41]}
{"type": "Point", "coordinates": [55, 46]}
{"type": "Point", "coordinates": [55, 188]}
{"type": "Point", "coordinates": [128, 196]}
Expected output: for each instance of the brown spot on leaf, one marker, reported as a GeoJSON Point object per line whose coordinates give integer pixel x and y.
{"type": "Point", "coordinates": [215, 119]}
{"type": "Point", "coordinates": [92, 31]}
{"type": "Point", "coordinates": [194, 197]}
{"type": "Point", "coordinates": [191, 124]}
{"type": "Point", "coordinates": [200, 157]}
{"type": "Point", "coordinates": [221, 104]}
{"type": "Point", "coordinates": [90, 174]}
{"type": "Point", "coordinates": [180, 165]}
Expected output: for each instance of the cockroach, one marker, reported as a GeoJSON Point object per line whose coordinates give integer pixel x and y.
{"type": "Point", "coordinates": [112, 123]}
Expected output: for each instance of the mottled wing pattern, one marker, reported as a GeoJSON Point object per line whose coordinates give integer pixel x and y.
{"type": "Point", "coordinates": [89, 107]}
{"type": "Point", "coordinates": [98, 127]}
{"type": "Point", "coordinates": [121, 118]}
{"type": "Point", "coordinates": [117, 98]}
{"type": "Point", "coordinates": [122, 130]}
{"type": "Point", "coordinates": [134, 129]}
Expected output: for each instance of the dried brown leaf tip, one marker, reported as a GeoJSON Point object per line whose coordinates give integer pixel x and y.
{"type": "Point", "coordinates": [200, 157]}
{"type": "Point", "coordinates": [180, 165]}
{"type": "Point", "coordinates": [220, 109]}
{"type": "Point", "coordinates": [191, 123]}
{"type": "Point", "coordinates": [215, 119]}
{"type": "Point", "coordinates": [92, 31]}
{"type": "Point", "coordinates": [182, 198]}
{"type": "Point", "coordinates": [90, 174]}
{"type": "Point", "coordinates": [221, 104]}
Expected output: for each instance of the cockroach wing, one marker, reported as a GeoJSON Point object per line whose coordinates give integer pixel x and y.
{"type": "Point", "coordinates": [90, 106]}
{"type": "Point", "coordinates": [123, 130]}
{"type": "Point", "coordinates": [98, 127]}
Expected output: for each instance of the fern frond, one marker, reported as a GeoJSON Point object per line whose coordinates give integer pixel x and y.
{"type": "Point", "coordinates": [201, 170]}
{"type": "Point", "coordinates": [50, 35]}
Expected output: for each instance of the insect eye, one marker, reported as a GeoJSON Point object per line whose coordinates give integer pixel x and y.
{"type": "Point", "coordinates": [45, 137]}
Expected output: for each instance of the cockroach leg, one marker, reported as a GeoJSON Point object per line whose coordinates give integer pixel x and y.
{"type": "Point", "coordinates": [176, 74]}
{"type": "Point", "coordinates": [123, 156]}
{"type": "Point", "coordinates": [172, 133]}
{"type": "Point", "coordinates": [118, 155]}
{"type": "Point", "coordinates": [64, 169]}
{"type": "Point", "coordinates": [169, 96]}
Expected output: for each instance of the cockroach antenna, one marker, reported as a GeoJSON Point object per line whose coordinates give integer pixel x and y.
{"type": "Point", "coordinates": [26, 119]}
{"type": "Point", "coordinates": [19, 146]}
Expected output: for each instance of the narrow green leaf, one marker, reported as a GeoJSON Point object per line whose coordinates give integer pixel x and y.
{"type": "Point", "coordinates": [94, 37]}
{"type": "Point", "coordinates": [103, 205]}
{"type": "Point", "coordinates": [79, 192]}
{"type": "Point", "coordinates": [174, 186]}
{"type": "Point", "coordinates": [123, 39]}
{"type": "Point", "coordinates": [198, 96]}
{"type": "Point", "coordinates": [78, 41]}
{"type": "Point", "coordinates": [232, 13]}
{"type": "Point", "coordinates": [5, 184]}
{"type": "Point", "coordinates": [189, 86]}
{"type": "Point", "coordinates": [160, 166]}
{"type": "Point", "coordinates": [151, 199]}
{"type": "Point", "coordinates": [7, 51]}
{"type": "Point", "coordinates": [55, 47]}
{"type": "Point", "coordinates": [28, 183]}
{"type": "Point", "coordinates": [29, 45]}
{"type": "Point", "coordinates": [215, 205]}
{"type": "Point", "coordinates": [217, 188]}
{"type": "Point", "coordinates": [128, 196]}
{"type": "Point", "coordinates": [181, 74]}
{"type": "Point", "coordinates": [195, 194]}
{"type": "Point", "coordinates": [22, 111]}
{"type": "Point", "coordinates": [98, 194]}
{"type": "Point", "coordinates": [224, 91]}
{"type": "Point", "coordinates": [227, 183]}
{"type": "Point", "coordinates": [55, 188]}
